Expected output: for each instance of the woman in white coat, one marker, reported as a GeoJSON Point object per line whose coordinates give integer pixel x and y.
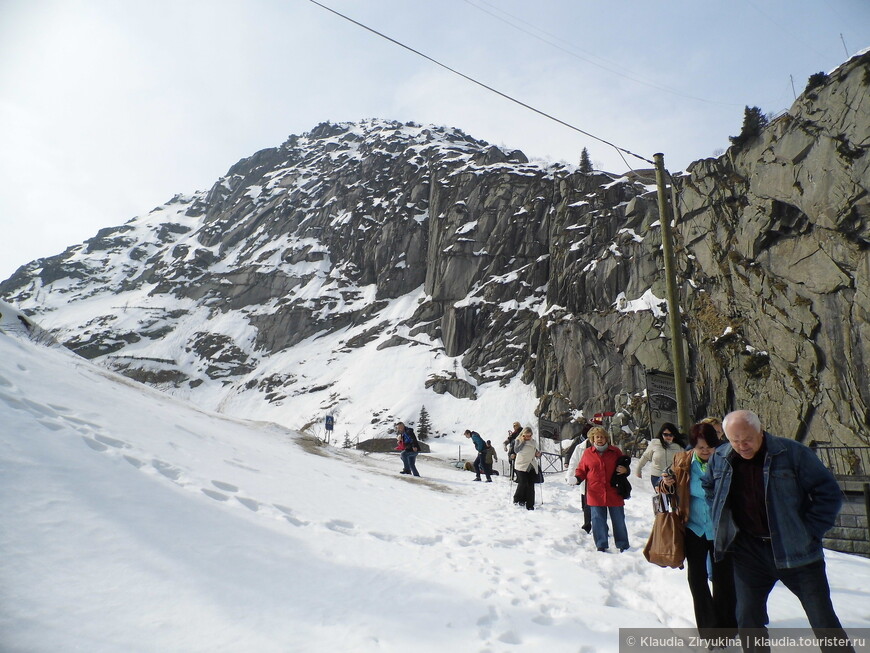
{"type": "Point", "coordinates": [570, 479]}
{"type": "Point", "coordinates": [526, 466]}
{"type": "Point", "coordinates": [660, 452]}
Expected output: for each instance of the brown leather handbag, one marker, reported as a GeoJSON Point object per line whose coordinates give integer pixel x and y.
{"type": "Point", "coordinates": [666, 544]}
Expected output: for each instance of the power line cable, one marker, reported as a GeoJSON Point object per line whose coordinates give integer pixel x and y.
{"type": "Point", "coordinates": [784, 29]}
{"type": "Point", "coordinates": [571, 52]}
{"type": "Point", "coordinates": [619, 150]}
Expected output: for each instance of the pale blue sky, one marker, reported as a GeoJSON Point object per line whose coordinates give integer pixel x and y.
{"type": "Point", "coordinates": [108, 108]}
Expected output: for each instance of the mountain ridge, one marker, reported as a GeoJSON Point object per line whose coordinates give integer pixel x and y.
{"type": "Point", "coordinates": [400, 236]}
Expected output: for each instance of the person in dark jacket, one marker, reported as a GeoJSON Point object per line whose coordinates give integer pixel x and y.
{"type": "Point", "coordinates": [513, 433]}
{"type": "Point", "coordinates": [490, 456]}
{"type": "Point", "coordinates": [410, 450]}
{"type": "Point", "coordinates": [771, 502]}
{"type": "Point", "coordinates": [480, 447]}
{"type": "Point", "coordinates": [619, 480]}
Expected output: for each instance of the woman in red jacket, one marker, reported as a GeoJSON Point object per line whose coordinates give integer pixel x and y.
{"type": "Point", "coordinates": [597, 466]}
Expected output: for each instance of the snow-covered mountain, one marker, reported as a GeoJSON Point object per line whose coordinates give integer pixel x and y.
{"type": "Point", "coordinates": [134, 522]}
{"type": "Point", "coordinates": [471, 270]}
{"type": "Point", "coordinates": [261, 297]}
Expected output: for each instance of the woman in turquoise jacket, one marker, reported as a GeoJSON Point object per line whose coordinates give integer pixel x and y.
{"type": "Point", "coordinates": [716, 609]}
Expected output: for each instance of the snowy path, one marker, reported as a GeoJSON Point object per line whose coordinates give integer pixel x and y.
{"type": "Point", "coordinates": [133, 522]}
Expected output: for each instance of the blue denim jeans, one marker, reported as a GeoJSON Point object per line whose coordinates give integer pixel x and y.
{"type": "Point", "coordinates": [755, 574]}
{"type": "Point", "coordinates": [408, 459]}
{"type": "Point", "coordinates": [600, 532]}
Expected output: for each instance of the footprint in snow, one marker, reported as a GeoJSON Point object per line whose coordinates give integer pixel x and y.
{"type": "Point", "coordinates": [235, 463]}
{"type": "Point", "coordinates": [290, 516]}
{"type": "Point", "coordinates": [51, 424]}
{"type": "Point", "coordinates": [112, 442]}
{"type": "Point", "coordinates": [386, 537]}
{"type": "Point", "coordinates": [93, 444]}
{"type": "Point", "coordinates": [76, 421]}
{"type": "Point", "coordinates": [37, 408]}
{"type": "Point", "coordinates": [543, 619]}
{"type": "Point", "coordinates": [340, 526]}
{"type": "Point", "coordinates": [510, 637]}
{"type": "Point", "coordinates": [138, 464]}
{"type": "Point", "coordinates": [250, 504]}
{"type": "Point", "coordinates": [226, 487]}
{"type": "Point", "coordinates": [217, 496]}
{"type": "Point", "coordinates": [170, 472]}
{"type": "Point", "coordinates": [488, 619]}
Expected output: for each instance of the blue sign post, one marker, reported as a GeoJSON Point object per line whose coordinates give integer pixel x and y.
{"type": "Point", "coordinates": [329, 422]}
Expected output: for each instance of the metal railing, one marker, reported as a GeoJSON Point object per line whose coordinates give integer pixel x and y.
{"type": "Point", "coordinates": [552, 463]}
{"type": "Point", "coordinates": [845, 462]}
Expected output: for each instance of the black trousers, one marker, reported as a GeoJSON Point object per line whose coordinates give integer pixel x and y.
{"type": "Point", "coordinates": [525, 492]}
{"type": "Point", "coordinates": [480, 466]}
{"type": "Point", "coordinates": [755, 574]}
{"type": "Point", "coordinates": [716, 609]}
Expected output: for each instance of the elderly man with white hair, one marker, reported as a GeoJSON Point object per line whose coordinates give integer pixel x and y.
{"type": "Point", "coordinates": [771, 503]}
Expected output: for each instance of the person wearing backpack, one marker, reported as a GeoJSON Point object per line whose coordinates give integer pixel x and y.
{"type": "Point", "coordinates": [480, 447]}
{"type": "Point", "coordinates": [411, 448]}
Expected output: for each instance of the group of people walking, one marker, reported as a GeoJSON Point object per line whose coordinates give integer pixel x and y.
{"type": "Point", "coordinates": [754, 509]}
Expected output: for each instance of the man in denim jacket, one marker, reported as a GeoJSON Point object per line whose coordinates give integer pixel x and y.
{"type": "Point", "coordinates": [771, 502]}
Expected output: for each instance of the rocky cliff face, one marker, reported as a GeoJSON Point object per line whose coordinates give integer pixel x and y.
{"type": "Point", "coordinates": [389, 238]}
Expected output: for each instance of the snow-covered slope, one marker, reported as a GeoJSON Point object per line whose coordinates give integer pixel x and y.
{"type": "Point", "coordinates": [134, 522]}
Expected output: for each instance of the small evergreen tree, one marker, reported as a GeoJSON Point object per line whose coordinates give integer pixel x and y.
{"type": "Point", "coordinates": [585, 162]}
{"type": "Point", "coordinates": [423, 425]}
{"type": "Point", "coordinates": [754, 122]}
{"type": "Point", "coordinates": [347, 443]}
{"type": "Point", "coordinates": [816, 80]}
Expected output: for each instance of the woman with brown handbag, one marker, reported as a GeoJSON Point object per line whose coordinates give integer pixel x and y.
{"type": "Point", "coordinates": [714, 609]}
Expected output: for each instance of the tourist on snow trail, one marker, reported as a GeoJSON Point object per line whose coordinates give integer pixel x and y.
{"type": "Point", "coordinates": [772, 501]}
{"type": "Point", "coordinates": [582, 442]}
{"type": "Point", "coordinates": [716, 423]}
{"type": "Point", "coordinates": [411, 448]}
{"type": "Point", "coordinates": [480, 447]}
{"type": "Point", "coordinates": [597, 466]}
{"type": "Point", "coordinates": [512, 436]}
{"type": "Point", "coordinates": [716, 609]}
{"type": "Point", "coordinates": [526, 466]}
{"type": "Point", "coordinates": [660, 452]}
{"type": "Point", "coordinates": [489, 457]}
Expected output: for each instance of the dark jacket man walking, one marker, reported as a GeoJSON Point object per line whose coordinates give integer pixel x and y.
{"type": "Point", "coordinates": [480, 447]}
{"type": "Point", "coordinates": [771, 502]}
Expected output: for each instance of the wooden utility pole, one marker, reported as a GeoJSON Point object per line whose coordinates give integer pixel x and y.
{"type": "Point", "coordinates": [678, 358]}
